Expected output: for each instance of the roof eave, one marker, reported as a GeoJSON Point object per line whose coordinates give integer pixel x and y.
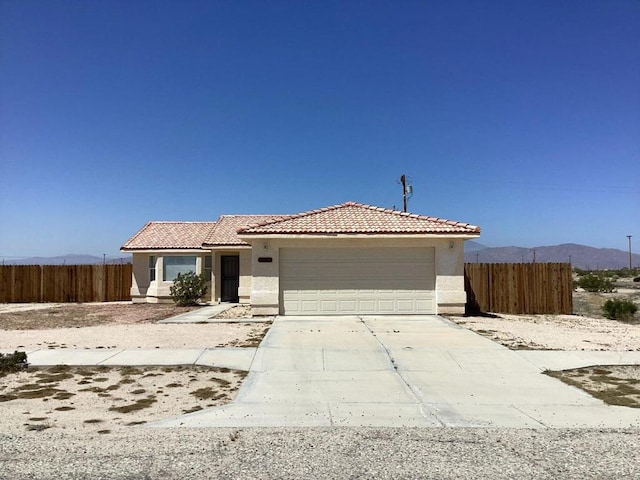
{"type": "Point", "coordinates": [165, 249]}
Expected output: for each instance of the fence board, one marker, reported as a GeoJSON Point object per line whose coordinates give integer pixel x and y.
{"type": "Point", "coordinates": [519, 287]}
{"type": "Point", "coordinates": [65, 283]}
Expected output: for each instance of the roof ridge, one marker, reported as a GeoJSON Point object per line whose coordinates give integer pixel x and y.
{"type": "Point", "coordinates": [228, 224]}
{"type": "Point", "coordinates": [380, 210]}
{"type": "Point", "coordinates": [297, 215]}
{"type": "Point", "coordinates": [414, 215]}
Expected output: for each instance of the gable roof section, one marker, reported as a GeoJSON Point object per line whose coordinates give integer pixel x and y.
{"type": "Point", "coordinates": [227, 226]}
{"type": "Point", "coordinates": [169, 236]}
{"type": "Point", "coordinates": [356, 218]}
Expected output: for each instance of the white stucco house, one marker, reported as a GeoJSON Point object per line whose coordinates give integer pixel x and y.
{"type": "Point", "coordinates": [344, 259]}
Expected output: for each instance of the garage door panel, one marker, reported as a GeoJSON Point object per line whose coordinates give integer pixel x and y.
{"type": "Point", "coordinates": [366, 281]}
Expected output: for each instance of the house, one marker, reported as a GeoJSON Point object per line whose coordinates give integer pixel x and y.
{"type": "Point", "coordinates": [344, 259]}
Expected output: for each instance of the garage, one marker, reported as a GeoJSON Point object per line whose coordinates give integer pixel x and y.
{"type": "Point", "coordinates": [343, 281]}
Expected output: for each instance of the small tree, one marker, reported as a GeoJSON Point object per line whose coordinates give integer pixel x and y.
{"type": "Point", "coordinates": [187, 288]}
{"type": "Point", "coordinates": [619, 309]}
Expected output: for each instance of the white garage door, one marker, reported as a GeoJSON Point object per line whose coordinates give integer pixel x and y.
{"type": "Point", "coordinates": [357, 281]}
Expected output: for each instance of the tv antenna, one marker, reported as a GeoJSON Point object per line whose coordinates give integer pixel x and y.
{"type": "Point", "coordinates": [407, 192]}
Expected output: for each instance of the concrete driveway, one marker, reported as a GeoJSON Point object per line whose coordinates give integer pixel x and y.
{"type": "Point", "coordinates": [398, 371]}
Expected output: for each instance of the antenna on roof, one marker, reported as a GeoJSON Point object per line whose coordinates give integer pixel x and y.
{"type": "Point", "coordinates": [407, 192]}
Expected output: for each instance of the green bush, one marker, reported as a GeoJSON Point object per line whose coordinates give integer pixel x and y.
{"type": "Point", "coordinates": [619, 309]}
{"type": "Point", "coordinates": [12, 362]}
{"type": "Point", "coordinates": [596, 283]}
{"type": "Point", "coordinates": [188, 288]}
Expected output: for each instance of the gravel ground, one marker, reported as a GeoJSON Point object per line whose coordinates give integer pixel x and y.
{"type": "Point", "coordinates": [555, 332]}
{"type": "Point", "coordinates": [149, 335]}
{"type": "Point", "coordinates": [323, 453]}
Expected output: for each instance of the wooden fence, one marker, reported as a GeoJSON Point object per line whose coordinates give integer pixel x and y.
{"type": "Point", "coordinates": [491, 287]}
{"type": "Point", "coordinates": [65, 283]}
{"type": "Point", "coordinates": [519, 287]}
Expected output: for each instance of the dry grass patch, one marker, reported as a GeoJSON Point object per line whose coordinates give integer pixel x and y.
{"type": "Point", "coordinates": [71, 399]}
{"type": "Point", "coordinates": [88, 314]}
{"type": "Point", "coordinates": [613, 384]}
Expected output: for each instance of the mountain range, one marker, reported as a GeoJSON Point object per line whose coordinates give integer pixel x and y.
{"type": "Point", "coordinates": [580, 256]}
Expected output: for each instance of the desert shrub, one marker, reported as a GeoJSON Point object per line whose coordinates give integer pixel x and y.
{"type": "Point", "coordinates": [637, 279]}
{"type": "Point", "coordinates": [12, 362]}
{"type": "Point", "coordinates": [187, 288]}
{"type": "Point", "coordinates": [596, 283]}
{"type": "Point", "coordinates": [619, 309]}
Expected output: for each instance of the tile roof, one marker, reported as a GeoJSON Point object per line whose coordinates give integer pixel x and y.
{"type": "Point", "coordinates": [356, 218]}
{"type": "Point", "coordinates": [227, 226]}
{"type": "Point", "coordinates": [169, 235]}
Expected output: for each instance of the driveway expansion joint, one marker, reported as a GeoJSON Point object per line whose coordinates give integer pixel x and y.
{"type": "Point", "coordinates": [109, 358]}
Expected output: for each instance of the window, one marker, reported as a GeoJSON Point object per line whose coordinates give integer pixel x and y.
{"type": "Point", "coordinates": [208, 267]}
{"type": "Point", "coordinates": [152, 268]}
{"type": "Point", "coordinates": [172, 266]}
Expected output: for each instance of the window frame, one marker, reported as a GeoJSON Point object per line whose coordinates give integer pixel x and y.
{"type": "Point", "coordinates": [207, 267]}
{"type": "Point", "coordinates": [193, 267]}
{"type": "Point", "coordinates": [153, 259]}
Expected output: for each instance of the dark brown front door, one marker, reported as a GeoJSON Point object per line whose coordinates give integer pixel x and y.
{"type": "Point", "coordinates": [230, 272]}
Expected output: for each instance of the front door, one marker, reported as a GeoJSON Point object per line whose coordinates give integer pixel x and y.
{"type": "Point", "coordinates": [230, 273]}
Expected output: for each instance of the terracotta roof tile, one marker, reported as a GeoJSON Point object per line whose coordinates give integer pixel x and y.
{"type": "Point", "coordinates": [225, 231]}
{"type": "Point", "coordinates": [356, 218]}
{"type": "Point", "coordinates": [169, 235]}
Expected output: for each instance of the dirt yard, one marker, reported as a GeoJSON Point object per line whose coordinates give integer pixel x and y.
{"type": "Point", "coordinates": [106, 399]}
{"type": "Point", "coordinates": [34, 316]}
{"type": "Point", "coordinates": [555, 332]}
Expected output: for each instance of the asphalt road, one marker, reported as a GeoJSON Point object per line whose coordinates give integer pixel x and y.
{"type": "Point", "coordinates": [353, 453]}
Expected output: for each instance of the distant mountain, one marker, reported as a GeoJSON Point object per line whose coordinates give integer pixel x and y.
{"type": "Point", "coordinates": [69, 259]}
{"type": "Point", "coordinates": [581, 256]}
{"type": "Point", "coordinates": [471, 246]}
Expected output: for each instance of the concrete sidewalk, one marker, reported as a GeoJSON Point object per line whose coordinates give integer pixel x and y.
{"type": "Point", "coordinates": [235, 358]}
{"type": "Point", "coordinates": [390, 371]}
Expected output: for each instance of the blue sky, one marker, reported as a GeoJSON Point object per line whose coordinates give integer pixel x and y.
{"type": "Point", "coordinates": [521, 117]}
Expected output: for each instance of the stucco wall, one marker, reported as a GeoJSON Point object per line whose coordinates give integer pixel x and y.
{"type": "Point", "coordinates": [158, 291]}
{"type": "Point", "coordinates": [450, 294]}
{"type": "Point", "coordinates": [140, 277]}
{"type": "Point", "coordinates": [265, 286]}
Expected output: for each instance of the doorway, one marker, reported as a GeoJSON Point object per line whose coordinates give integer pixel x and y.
{"type": "Point", "coordinates": [230, 273]}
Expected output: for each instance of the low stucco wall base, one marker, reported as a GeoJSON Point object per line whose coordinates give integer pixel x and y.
{"type": "Point", "coordinates": [264, 310]}
{"type": "Point", "coordinates": [451, 309]}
